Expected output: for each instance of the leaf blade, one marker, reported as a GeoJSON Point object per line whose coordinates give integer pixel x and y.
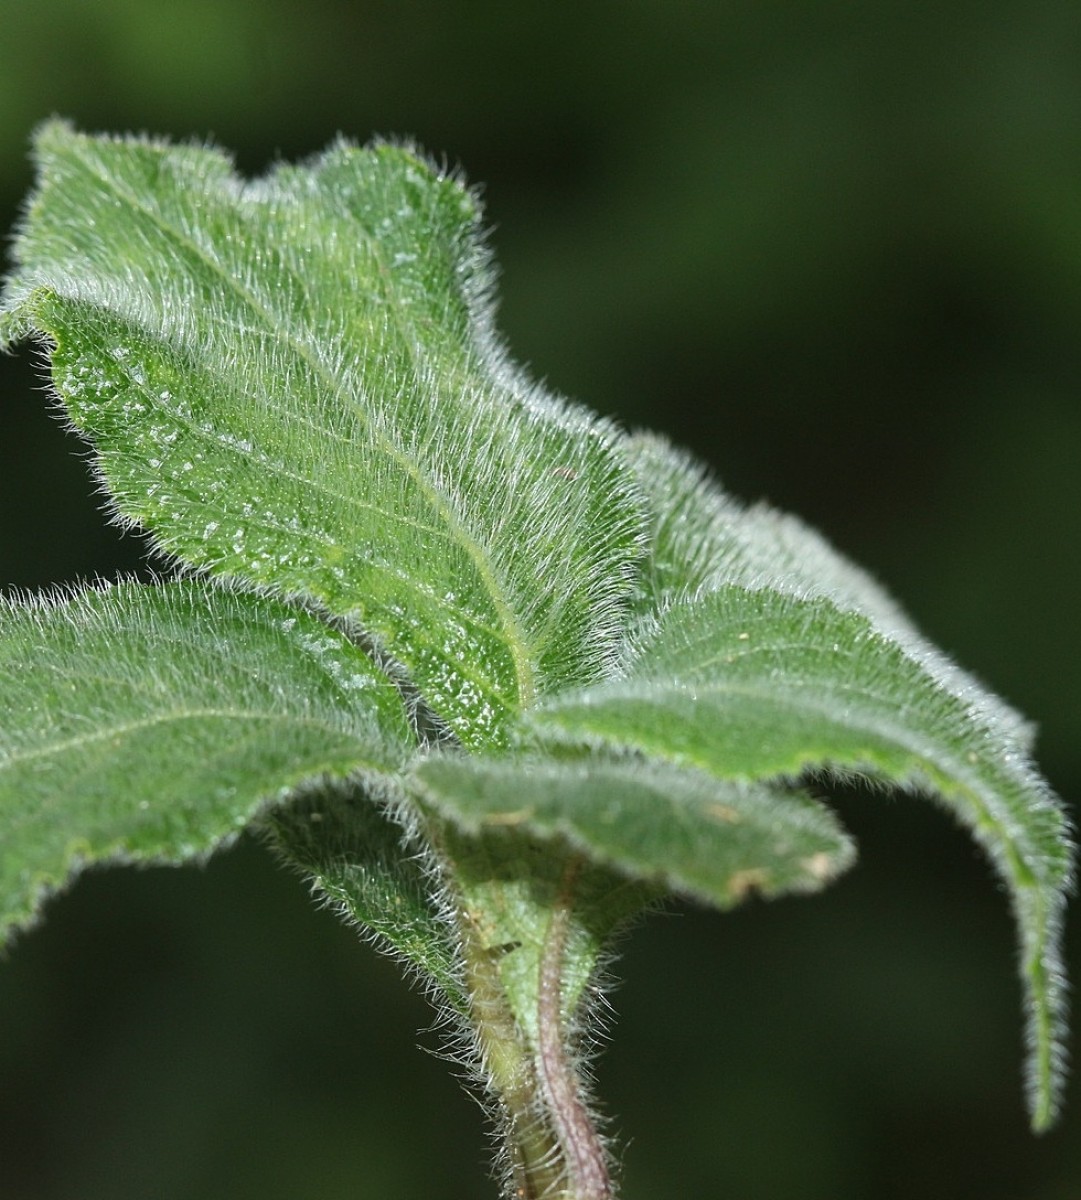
{"type": "Point", "coordinates": [245, 699]}
{"type": "Point", "coordinates": [672, 827]}
{"type": "Point", "coordinates": [357, 857]}
{"type": "Point", "coordinates": [333, 322]}
{"type": "Point", "coordinates": [701, 539]}
{"type": "Point", "coordinates": [756, 684]}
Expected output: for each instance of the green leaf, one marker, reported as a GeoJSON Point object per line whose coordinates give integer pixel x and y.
{"type": "Point", "coordinates": [547, 858]}
{"type": "Point", "coordinates": [676, 828]}
{"type": "Point", "coordinates": [754, 685]}
{"type": "Point", "coordinates": [359, 859]}
{"type": "Point", "coordinates": [295, 382]}
{"type": "Point", "coordinates": [701, 539]}
{"type": "Point", "coordinates": [151, 724]}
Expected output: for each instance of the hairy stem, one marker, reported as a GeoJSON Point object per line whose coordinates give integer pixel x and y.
{"type": "Point", "coordinates": [552, 1150]}
{"type": "Point", "coordinates": [533, 1152]}
{"type": "Point", "coordinates": [585, 1159]}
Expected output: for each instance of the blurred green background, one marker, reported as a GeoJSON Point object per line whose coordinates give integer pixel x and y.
{"type": "Point", "coordinates": [836, 248]}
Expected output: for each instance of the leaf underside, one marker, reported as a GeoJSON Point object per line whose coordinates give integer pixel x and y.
{"type": "Point", "coordinates": [681, 829]}
{"type": "Point", "coordinates": [361, 861]}
{"type": "Point", "coordinates": [455, 603]}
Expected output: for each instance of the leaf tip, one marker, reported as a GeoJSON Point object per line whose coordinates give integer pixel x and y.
{"type": "Point", "coordinates": [820, 867]}
{"type": "Point", "coordinates": [51, 132]}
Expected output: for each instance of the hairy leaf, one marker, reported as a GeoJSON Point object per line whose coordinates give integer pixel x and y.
{"type": "Point", "coordinates": [758, 684]}
{"type": "Point", "coordinates": [546, 858]}
{"type": "Point", "coordinates": [359, 859]}
{"type": "Point", "coordinates": [680, 828]}
{"type": "Point", "coordinates": [295, 382]}
{"type": "Point", "coordinates": [151, 724]}
{"type": "Point", "coordinates": [701, 539]}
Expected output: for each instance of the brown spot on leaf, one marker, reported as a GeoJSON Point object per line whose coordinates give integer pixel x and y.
{"type": "Point", "coordinates": [743, 882]}
{"type": "Point", "coordinates": [509, 818]}
{"type": "Point", "coordinates": [819, 866]}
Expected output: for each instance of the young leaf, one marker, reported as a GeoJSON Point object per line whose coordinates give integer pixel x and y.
{"type": "Point", "coordinates": [151, 724]}
{"type": "Point", "coordinates": [295, 383]}
{"type": "Point", "coordinates": [700, 539]}
{"type": "Point", "coordinates": [674, 827]}
{"type": "Point", "coordinates": [761, 684]}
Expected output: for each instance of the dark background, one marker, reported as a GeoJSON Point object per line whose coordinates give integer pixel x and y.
{"type": "Point", "coordinates": [836, 248]}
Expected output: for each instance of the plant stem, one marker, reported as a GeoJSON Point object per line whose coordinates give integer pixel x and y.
{"type": "Point", "coordinates": [553, 1149]}
{"type": "Point", "coordinates": [534, 1154]}
{"type": "Point", "coordinates": [586, 1161]}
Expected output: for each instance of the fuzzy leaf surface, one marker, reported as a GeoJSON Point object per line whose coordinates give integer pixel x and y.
{"type": "Point", "coordinates": [358, 859]}
{"type": "Point", "coordinates": [701, 539]}
{"type": "Point", "coordinates": [678, 828]}
{"type": "Point", "coordinates": [151, 724]}
{"type": "Point", "coordinates": [758, 684]}
{"type": "Point", "coordinates": [295, 382]}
